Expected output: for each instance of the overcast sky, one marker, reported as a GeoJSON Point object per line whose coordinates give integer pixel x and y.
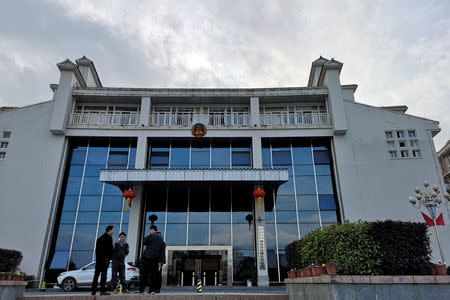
{"type": "Point", "coordinates": [398, 53]}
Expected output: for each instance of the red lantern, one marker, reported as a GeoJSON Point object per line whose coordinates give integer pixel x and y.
{"type": "Point", "coordinates": [259, 193]}
{"type": "Point", "coordinates": [129, 194]}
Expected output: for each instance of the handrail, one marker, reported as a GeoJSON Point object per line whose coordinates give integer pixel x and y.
{"type": "Point", "coordinates": [103, 119]}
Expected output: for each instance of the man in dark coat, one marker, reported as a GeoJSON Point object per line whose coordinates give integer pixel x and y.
{"type": "Point", "coordinates": [121, 250]}
{"type": "Point", "coordinates": [153, 258]}
{"type": "Point", "coordinates": [103, 253]}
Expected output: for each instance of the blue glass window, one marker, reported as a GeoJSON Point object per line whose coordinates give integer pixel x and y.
{"type": "Point", "coordinates": [112, 203]}
{"type": "Point", "coordinates": [110, 217]}
{"type": "Point", "coordinates": [84, 237]}
{"type": "Point", "coordinates": [97, 156]}
{"type": "Point", "coordinates": [311, 216]}
{"type": "Point", "coordinates": [302, 170]}
{"type": "Point", "coordinates": [64, 237]}
{"type": "Point", "coordinates": [76, 170]}
{"type": "Point", "coordinates": [306, 228]}
{"type": "Point", "coordinates": [132, 159]}
{"type": "Point", "coordinates": [200, 155]}
{"type": "Point", "coordinates": [286, 216]}
{"type": "Point", "coordinates": [112, 190]}
{"type": "Point", "coordinates": [286, 188]}
{"type": "Point", "coordinates": [93, 170]}
{"type": "Point", "coordinates": [285, 202]}
{"type": "Point", "coordinates": [328, 216]}
{"type": "Point", "coordinates": [305, 184]}
{"type": "Point", "coordinates": [89, 203]}
{"type": "Point", "coordinates": [198, 234]}
{"type": "Point", "coordinates": [220, 155]}
{"type": "Point", "coordinates": [118, 158]}
{"type": "Point", "coordinates": [327, 202]}
{"type": "Point", "coordinates": [323, 170]}
{"type": "Point", "coordinates": [302, 155]}
{"type": "Point", "coordinates": [179, 158]}
{"type": "Point", "coordinates": [92, 186]}
{"type": "Point", "coordinates": [281, 158]}
{"type": "Point", "coordinates": [321, 157]}
{"type": "Point", "coordinates": [242, 236]}
{"type": "Point", "coordinates": [176, 234]}
{"type": "Point", "coordinates": [266, 157]}
{"type": "Point", "coordinates": [307, 202]}
{"type": "Point", "coordinates": [68, 217]}
{"type": "Point", "coordinates": [70, 203]}
{"type": "Point", "coordinates": [78, 156]}
{"type": "Point", "coordinates": [73, 186]}
{"type": "Point", "coordinates": [221, 234]}
{"type": "Point", "coordinates": [80, 259]}
{"type": "Point", "coordinates": [87, 217]}
{"type": "Point", "coordinates": [324, 184]}
{"type": "Point", "coordinates": [270, 236]}
{"type": "Point", "coordinates": [60, 259]}
{"type": "Point", "coordinates": [286, 234]}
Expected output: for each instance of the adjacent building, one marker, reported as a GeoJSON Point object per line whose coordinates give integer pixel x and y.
{"type": "Point", "coordinates": [444, 161]}
{"type": "Point", "coordinates": [194, 158]}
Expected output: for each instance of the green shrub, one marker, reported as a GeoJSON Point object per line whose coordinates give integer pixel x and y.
{"type": "Point", "coordinates": [293, 255]}
{"type": "Point", "coordinates": [9, 260]}
{"type": "Point", "coordinates": [404, 246]}
{"type": "Point", "coordinates": [349, 246]}
{"type": "Point", "coordinates": [363, 248]}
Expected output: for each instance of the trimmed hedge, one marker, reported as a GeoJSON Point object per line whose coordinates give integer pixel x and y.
{"type": "Point", "coordinates": [363, 248]}
{"type": "Point", "coordinates": [404, 246]}
{"type": "Point", "coordinates": [9, 260]}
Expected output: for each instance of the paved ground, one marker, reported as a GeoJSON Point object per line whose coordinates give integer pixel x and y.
{"type": "Point", "coordinates": [177, 290]}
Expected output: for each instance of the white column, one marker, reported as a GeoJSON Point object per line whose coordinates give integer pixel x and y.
{"type": "Point", "coordinates": [137, 203]}
{"type": "Point", "coordinates": [260, 220]}
{"type": "Point", "coordinates": [254, 112]}
{"type": "Point", "coordinates": [145, 111]}
{"type": "Point", "coordinates": [336, 100]}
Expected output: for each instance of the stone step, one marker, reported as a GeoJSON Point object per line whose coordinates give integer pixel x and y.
{"type": "Point", "coordinates": [168, 296]}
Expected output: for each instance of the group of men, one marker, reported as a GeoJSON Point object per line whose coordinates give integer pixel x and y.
{"type": "Point", "coordinates": [153, 258]}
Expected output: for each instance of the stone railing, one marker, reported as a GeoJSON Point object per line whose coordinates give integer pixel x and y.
{"type": "Point", "coordinates": [295, 119]}
{"type": "Point", "coordinates": [103, 120]}
{"type": "Point", "coordinates": [368, 287]}
{"type": "Point", "coordinates": [160, 119]}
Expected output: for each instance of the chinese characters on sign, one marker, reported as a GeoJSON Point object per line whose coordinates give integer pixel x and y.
{"type": "Point", "coordinates": [262, 263]}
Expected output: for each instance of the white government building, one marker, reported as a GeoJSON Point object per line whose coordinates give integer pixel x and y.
{"type": "Point", "coordinates": [320, 157]}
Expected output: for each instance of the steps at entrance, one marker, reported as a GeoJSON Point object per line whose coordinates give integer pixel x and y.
{"type": "Point", "coordinates": [169, 296]}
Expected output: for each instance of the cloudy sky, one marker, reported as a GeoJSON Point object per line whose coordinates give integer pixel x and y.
{"type": "Point", "coordinates": [398, 52]}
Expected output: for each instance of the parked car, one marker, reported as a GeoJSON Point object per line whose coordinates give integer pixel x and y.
{"type": "Point", "coordinates": [83, 277]}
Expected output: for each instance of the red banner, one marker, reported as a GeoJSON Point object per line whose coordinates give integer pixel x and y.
{"type": "Point", "coordinates": [430, 222]}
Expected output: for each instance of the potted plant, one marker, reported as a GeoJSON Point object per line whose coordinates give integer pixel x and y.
{"type": "Point", "coordinates": [8, 276]}
{"type": "Point", "coordinates": [331, 268]}
{"type": "Point", "coordinates": [308, 272]}
{"type": "Point", "coordinates": [292, 273]}
{"type": "Point", "coordinates": [247, 270]}
{"type": "Point", "coordinates": [2, 276]}
{"type": "Point", "coordinates": [440, 269]}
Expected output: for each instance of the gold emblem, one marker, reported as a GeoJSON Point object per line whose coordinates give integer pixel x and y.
{"type": "Point", "coordinates": [198, 130]}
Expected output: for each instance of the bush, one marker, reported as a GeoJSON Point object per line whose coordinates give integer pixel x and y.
{"type": "Point", "coordinates": [293, 255]}
{"type": "Point", "coordinates": [404, 246]}
{"type": "Point", "coordinates": [349, 246]}
{"type": "Point", "coordinates": [9, 260]}
{"type": "Point", "coordinates": [363, 248]}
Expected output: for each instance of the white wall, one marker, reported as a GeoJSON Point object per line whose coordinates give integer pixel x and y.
{"type": "Point", "coordinates": [375, 187]}
{"type": "Point", "coordinates": [28, 178]}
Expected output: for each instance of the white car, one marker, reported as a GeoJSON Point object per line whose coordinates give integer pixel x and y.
{"type": "Point", "coordinates": [70, 280]}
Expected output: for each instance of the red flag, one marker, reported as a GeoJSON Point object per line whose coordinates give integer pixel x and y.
{"type": "Point", "coordinates": [429, 220]}
{"type": "Point", "coordinates": [440, 220]}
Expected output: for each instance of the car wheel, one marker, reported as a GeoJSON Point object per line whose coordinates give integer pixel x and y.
{"type": "Point", "coordinates": [69, 284]}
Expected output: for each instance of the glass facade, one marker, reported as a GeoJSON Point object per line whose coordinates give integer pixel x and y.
{"type": "Point", "coordinates": [303, 204]}
{"type": "Point", "coordinates": [196, 214]}
{"type": "Point", "coordinates": [200, 154]}
{"type": "Point", "coordinates": [203, 215]}
{"type": "Point", "coordinates": [88, 205]}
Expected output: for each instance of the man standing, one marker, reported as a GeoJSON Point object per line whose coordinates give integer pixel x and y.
{"type": "Point", "coordinates": [121, 250]}
{"type": "Point", "coordinates": [152, 260]}
{"type": "Point", "coordinates": [103, 253]}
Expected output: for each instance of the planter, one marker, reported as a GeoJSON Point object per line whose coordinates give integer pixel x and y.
{"type": "Point", "coordinates": [8, 277]}
{"type": "Point", "coordinates": [331, 269]}
{"type": "Point", "coordinates": [317, 271]}
{"type": "Point", "coordinates": [291, 274]}
{"type": "Point", "coordinates": [299, 273]}
{"type": "Point", "coordinates": [2, 277]}
{"type": "Point", "coordinates": [440, 269]}
{"type": "Point", "coordinates": [308, 272]}
{"type": "Point", "coordinates": [303, 273]}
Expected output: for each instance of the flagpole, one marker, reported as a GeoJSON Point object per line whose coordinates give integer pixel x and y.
{"type": "Point", "coordinates": [439, 241]}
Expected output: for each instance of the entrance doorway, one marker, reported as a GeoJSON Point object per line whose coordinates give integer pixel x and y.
{"type": "Point", "coordinates": [212, 265]}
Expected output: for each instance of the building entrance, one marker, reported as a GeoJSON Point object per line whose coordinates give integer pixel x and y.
{"type": "Point", "coordinates": [186, 265]}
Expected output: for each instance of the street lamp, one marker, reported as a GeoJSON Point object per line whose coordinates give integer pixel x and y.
{"type": "Point", "coordinates": [430, 200]}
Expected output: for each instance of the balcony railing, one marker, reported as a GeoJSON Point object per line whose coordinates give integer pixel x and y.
{"type": "Point", "coordinates": [103, 119]}
{"type": "Point", "coordinates": [278, 119]}
{"type": "Point", "coordinates": [188, 119]}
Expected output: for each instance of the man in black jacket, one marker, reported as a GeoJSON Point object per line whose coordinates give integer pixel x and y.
{"type": "Point", "coordinates": [103, 253]}
{"type": "Point", "coordinates": [121, 250]}
{"type": "Point", "coordinates": [152, 260]}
